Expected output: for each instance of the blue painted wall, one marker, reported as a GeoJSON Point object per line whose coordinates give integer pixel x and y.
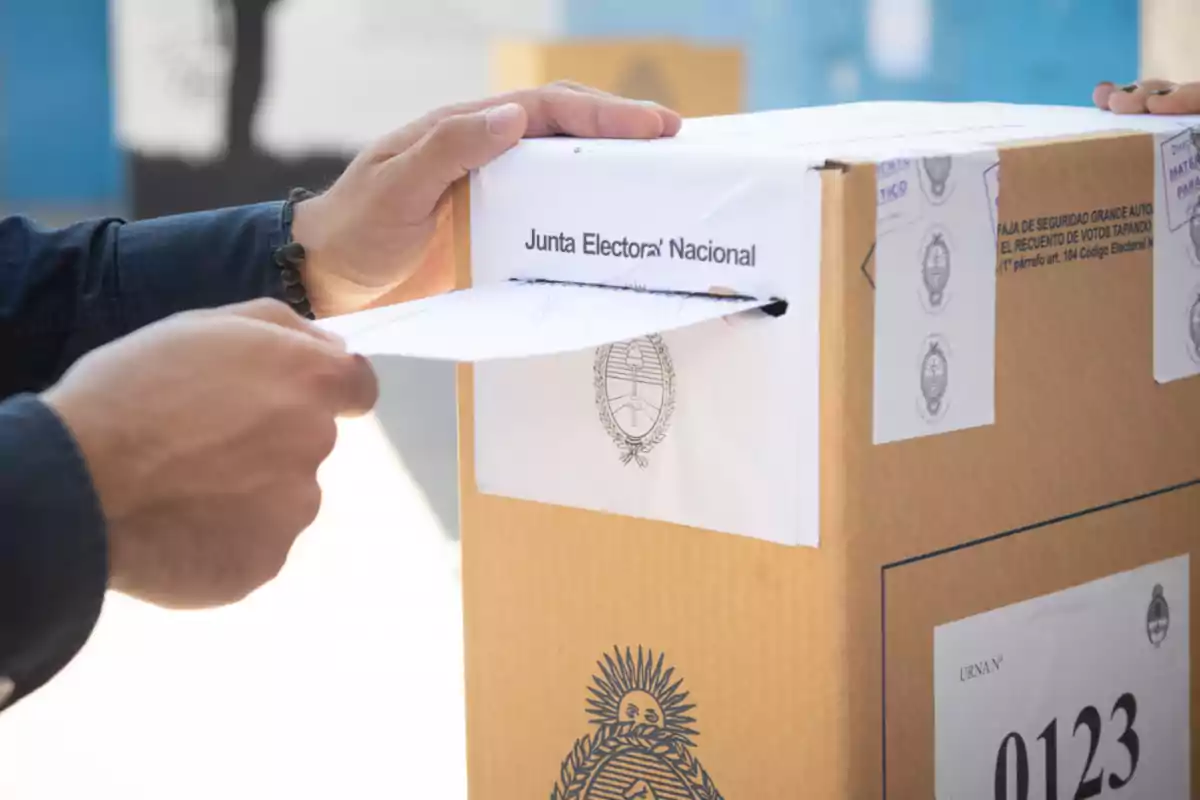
{"type": "Point", "coordinates": [1030, 51]}
{"type": "Point", "coordinates": [56, 134]}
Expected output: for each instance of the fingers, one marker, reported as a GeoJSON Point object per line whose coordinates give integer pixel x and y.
{"type": "Point", "coordinates": [565, 110]}
{"type": "Point", "coordinates": [1131, 99]}
{"type": "Point", "coordinates": [1111, 97]}
{"type": "Point", "coordinates": [462, 142]}
{"type": "Point", "coordinates": [621, 117]}
{"type": "Point", "coordinates": [1181, 99]}
{"type": "Point", "coordinates": [342, 384]}
{"type": "Point", "coordinates": [1101, 93]}
{"type": "Point", "coordinates": [1153, 96]}
{"type": "Point", "coordinates": [451, 149]}
{"type": "Point", "coordinates": [575, 86]}
{"type": "Point", "coordinates": [347, 382]}
{"type": "Point", "coordinates": [278, 313]}
{"type": "Point", "coordinates": [357, 388]}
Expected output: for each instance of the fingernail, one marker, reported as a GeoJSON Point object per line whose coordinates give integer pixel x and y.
{"type": "Point", "coordinates": [1161, 92]}
{"type": "Point", "coordinates": [501, 117]}
{"type": "Point", "coordinates": [1129, 88]}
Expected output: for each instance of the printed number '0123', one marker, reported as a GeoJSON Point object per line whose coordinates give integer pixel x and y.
{"type": "Point", "coordinates": [1091, 781]}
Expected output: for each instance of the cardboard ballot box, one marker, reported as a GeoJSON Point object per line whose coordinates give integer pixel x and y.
{"type": "Point", "coordinates": [926, 534]}
{"type": "Point", "coordinates": [694, 79]}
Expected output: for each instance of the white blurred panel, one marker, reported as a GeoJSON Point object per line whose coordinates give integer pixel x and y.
{"type": "Point", "coordinates": [338, 74]}
{"type": "Point", "coordinates": [900, 38]}
{"type": "Point", "coordinates": [170, 70]}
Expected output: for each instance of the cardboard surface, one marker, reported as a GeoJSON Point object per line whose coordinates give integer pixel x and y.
{"type": "Point", "coordinates": [695, 80]}
{"type": "Point", "coordinates": [780, 650]}
{"type": "Point", "coordinates": [937, 588]}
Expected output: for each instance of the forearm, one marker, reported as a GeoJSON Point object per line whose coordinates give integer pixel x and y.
{"type": "Point", "coordinates": [53, 551]}
{"type": "Point", "coordinates": [199, 260]}
{"type": "Point", "coordinates": [67, 291]}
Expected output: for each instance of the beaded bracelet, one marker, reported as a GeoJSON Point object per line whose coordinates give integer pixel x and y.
{"type": "Point", "coordinates": [289, 257]}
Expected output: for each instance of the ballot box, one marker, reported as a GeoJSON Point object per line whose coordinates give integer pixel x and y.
{"type": "Point", "coordinates": [694, 78]}
{"type": "Point", "coordinates": [841, 453]}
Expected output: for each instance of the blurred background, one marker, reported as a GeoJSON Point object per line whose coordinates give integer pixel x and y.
{"type": "Point", "coordinates": [150, 106]}
{"type": "Point", "coordinates": [343, 678]}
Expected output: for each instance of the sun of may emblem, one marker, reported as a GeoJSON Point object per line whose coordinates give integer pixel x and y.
{"type": "Point", "coordinates": [1158, 617]}
{"type": "Point", "coordinates": [641, 749]}
{"type": "Point", "coordinates": [935, 378]}
{"type": "Point", "coordinates": [635, 394]}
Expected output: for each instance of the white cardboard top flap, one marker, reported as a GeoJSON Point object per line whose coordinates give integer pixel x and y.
{"type": "Point", "coordinates": [886, 130]}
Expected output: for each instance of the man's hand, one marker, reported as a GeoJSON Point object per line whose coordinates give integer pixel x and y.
{"type": "Point", "coordinates": [203, 434]}
{"type": "Point", "coordinates": [368, 233]}
{"type": "Point", "coordinates": [1148, 97]}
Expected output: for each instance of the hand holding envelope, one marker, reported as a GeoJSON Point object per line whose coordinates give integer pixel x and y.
{"type": "Point", "coordinates": [205, 485]}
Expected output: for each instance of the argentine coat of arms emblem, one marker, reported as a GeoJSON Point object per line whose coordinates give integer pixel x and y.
{"type": "Point", "coordinates": [935, 269]}
{"type": "Point", "coordinates": [1158, 617]}
{"type": "Point", "coordinates": [935, 378]}
{"type": "Point", "coordinates": [634, 383]}
{"type": "Point", "coordinates": [642, 746]}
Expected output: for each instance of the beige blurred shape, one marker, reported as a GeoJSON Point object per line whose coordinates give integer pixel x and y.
{"type": "Point", "coordinates": [1169, 29]}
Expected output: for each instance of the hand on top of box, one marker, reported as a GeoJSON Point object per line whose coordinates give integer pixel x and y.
{"type": "Point", "coordinates": [369, 233]}
{"type": "Point", "coordinates": [1151, 96]}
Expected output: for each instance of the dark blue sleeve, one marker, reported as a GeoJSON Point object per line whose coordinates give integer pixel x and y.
{"type": "Point", "coordinates": [53, 552]}
{"type": "Point", "coordinates": [62, 293]}
{"type": "Point", "coordinates": [66, 291]}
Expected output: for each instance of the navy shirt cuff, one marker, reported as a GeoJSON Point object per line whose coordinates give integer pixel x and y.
{"type": "Point", "coordinates": [203, 259]}
{"type": "Point", "coordinates": [53, 547]}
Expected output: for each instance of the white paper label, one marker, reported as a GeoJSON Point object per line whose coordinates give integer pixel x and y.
{"type": "Point", "coordinates": [713, 426]}
{"type": "Point", "coordinates": [1079, 694]}
{"type": "Point", "coordinates": [1181, 177]}
{"type": "Point", "coordinates": [935, 297]}
{"type": "Point", "coordinates": [655, 214]}
{"type": "Point", "coordinates": [898, 194]}
{"type": "Point", "coordinates": [1177, 256]}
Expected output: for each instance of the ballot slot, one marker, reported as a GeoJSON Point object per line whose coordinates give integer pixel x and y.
{"type": "Point", "coordinates": [521, 319]}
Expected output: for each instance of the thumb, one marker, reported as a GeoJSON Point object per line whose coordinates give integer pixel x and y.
{"type": "Point", "coordinates": [277, 313]}
{"type": "Point", "coordinates": [452, 148]}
